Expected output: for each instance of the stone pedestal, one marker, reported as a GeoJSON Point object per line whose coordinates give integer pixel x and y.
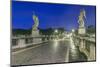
{"type": "Point", "coordinates": [92, 52]}
{"type": "Point", "coordinates": [35, 33]}
{"type": "Point", "coordinates": [21, 43]}
{"type": "Point", "coordinates": [36, 37]}
{"type": "Point", "coordinates": [81, 30]}
{"type": "Point", "coordinates": [82, 44]}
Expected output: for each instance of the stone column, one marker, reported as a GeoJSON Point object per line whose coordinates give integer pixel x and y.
{"type": "Point", "coordinates": [82, 43]}
{"type": "Point", "coordinates": [92, 52]}
{"type": "Point", "coordinates": [21, 43]}
{"type": "Point", "coordinates": [46, 39]}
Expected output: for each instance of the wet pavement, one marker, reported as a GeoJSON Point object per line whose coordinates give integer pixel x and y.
{"type": "Point", "coordinates": [50, 52]}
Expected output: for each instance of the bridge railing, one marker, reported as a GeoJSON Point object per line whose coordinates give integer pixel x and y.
{"type": "Point", "coordinates": [87, 45]}
{"type": "Point", "coordinates": [24, 41]}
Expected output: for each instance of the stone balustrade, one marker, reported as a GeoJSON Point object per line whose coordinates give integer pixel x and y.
{"type": "Point", "coordinates": [24, 41]}
{"type": "Point", "coordinates": [20, 42]}
{"type": "Point", "coordinates": [87, 45]}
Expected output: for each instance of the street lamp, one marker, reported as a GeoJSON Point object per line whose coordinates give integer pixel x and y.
{"type": "Point", "coordinates": [56, 31]}
{"type": "Point", "coordinates": [73, 30]}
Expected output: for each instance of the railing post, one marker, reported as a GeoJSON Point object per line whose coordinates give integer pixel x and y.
{"type": "Point", "coordinates": [81, 44]}
{"type": "Point", "coordinates": [36, 40]}
{"type": "Point", "coordinates": [92, 52]}
{"type": "Point", "coordinates": [33, 40]}
{"type": "Point", "coordinates": [84, 44]}
{"type": "Point", "coordinates": [46, 39]}
{"type": "Point", "coordinates": [21, 43]}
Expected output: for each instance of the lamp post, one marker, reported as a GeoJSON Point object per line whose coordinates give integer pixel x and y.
{"type": "Point", "coordinates": [73, 30]}
{"type": "Point", "coordinates": [55, 32]}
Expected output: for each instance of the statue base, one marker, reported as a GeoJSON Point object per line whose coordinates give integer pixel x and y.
{"type": "Point", "coordinates": [81, 30]}
{"type": "Point", "coordinates": [36, 37]}
{"type": "Point", "coordinates": [35, 33]}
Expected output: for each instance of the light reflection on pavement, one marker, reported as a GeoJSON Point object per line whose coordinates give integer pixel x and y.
{"type": "Point", "coordinates": [52, 52]}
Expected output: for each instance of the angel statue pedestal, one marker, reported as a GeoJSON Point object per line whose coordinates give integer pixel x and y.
{"type": "Point", "coordinates": [36, 37]}
{"type": "Point", "coordinates": [35, 31]}
{"type": "Point", "coordinates": [81, 29]}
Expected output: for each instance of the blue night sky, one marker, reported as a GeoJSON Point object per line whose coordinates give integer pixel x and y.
{"type": "Point", "coordinates": [50, 15]}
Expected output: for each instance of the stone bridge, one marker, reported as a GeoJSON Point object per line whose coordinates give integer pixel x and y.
{"type": "Point", "coordinates": [86, 45]}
